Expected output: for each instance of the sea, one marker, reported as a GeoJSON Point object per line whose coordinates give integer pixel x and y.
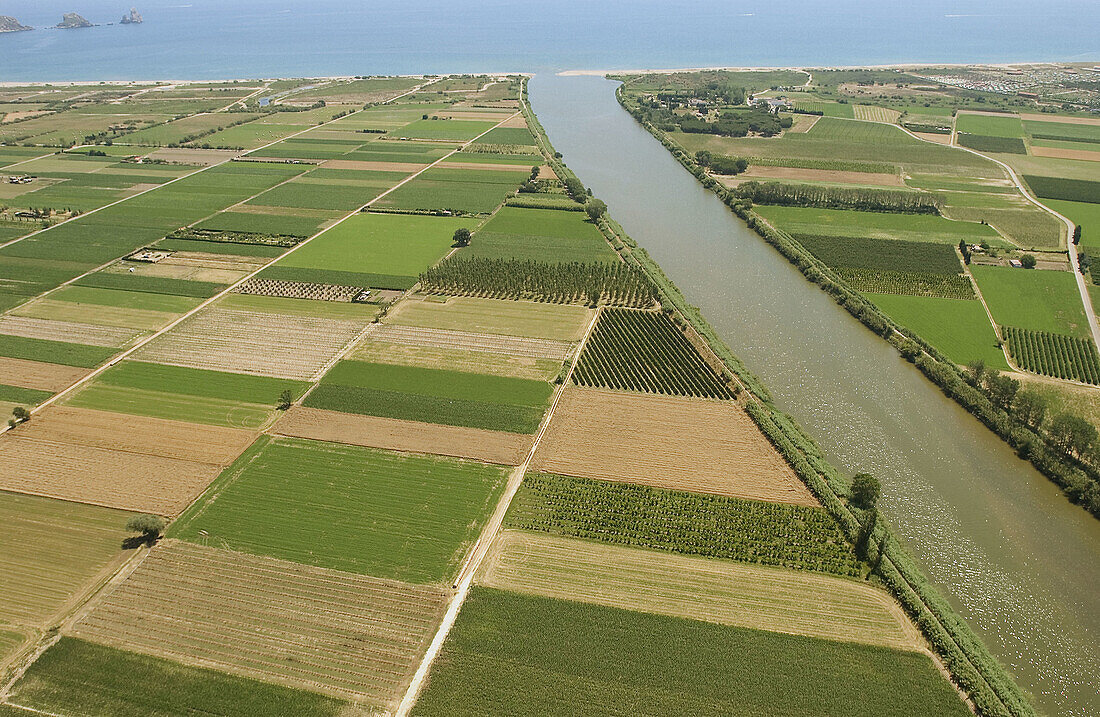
{"type": "Point", "coordinates": [230, 39]}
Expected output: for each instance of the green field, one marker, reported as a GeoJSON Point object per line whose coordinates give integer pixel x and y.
{"type": "Point", "coordinates": [377, 245]}
{"type": "Point", "coordinates": [118, 298]}
{"type": "Point", "coordinates": [508, 135]}
{"type": "Point", "coordinates": [433, 396]}
{"type": "Point", "coordinates": [541, 235]}
{"type": "Point", "coordinates": [1081, 133]}
{"type": "Point", "coordinates": [186, 394]}
{"type": "Point", "coordinates": [54, 351]}
{"type": "Point", "coordinates": [878, 225]}
{"type": "Point", "coordinates": [989, 125]}
{"type": "Point", "coordinates": [360, 510]}
{"type": "Point", "coordinates": [523, 655]}
{"type": "Point", "coordinates": [1084, 214]}
{"type": "Point", "coordinates": [458, 130]}
{"type": "Point", "coordinates": [958, 328]}
{"type": "Point", "coordinates": [457, 190]}
{"type": "Point", "coordinates": [1075, 190]}
{"type": "Point", "coordinates": [265, 223]}
{"type": "Point", "coordinates": [79, 677]}
{"type": "Point", "coordinates": [1035, 300]}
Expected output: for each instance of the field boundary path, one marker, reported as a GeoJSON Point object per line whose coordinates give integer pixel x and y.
{"type": "Point", "coordinates": [465, 578]}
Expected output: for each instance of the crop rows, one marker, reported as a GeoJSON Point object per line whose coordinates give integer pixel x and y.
{"type": "Point", "coordinates": [1058, 355]}
{"type": "Point", "coordinates": [856, 252]}
{"type": "Point", "coordinates": [467, 341]}
{"type": "Point", "coordinates": [300, 290]}
{"type": "Point", "coordinates": [985, 143]}
{"type": "Point", "coordinates": [1073, 190]}
{"type": "Point", "coordinates": [833, 165]}
{"type": "Point", "coordinates": [645, 351]}
{"type": "Point", "coordinates": [908, 283]}
{"type": "Point", "coordinates": [271, 619]}
{"type": "Point", "coordinates": [826, 197]}
{"type": "Point", "coordinates": [571, 282]}
{"type": "Point", "coordinates": [790, 536]}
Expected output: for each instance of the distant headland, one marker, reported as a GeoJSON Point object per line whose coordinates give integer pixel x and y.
{"type": "Point", "coordinates": [10, 24]}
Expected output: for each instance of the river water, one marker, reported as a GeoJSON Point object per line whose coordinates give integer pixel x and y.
{"type": "Point", "coordinates": [1015, 557]}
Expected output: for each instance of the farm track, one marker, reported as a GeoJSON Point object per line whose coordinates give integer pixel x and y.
{"type": "Point", "coordinates": [667, 442]}
{"type": "Point", "coordinates": [400, 435]}
{"type": "Point", "coordinates": [349, 635]}
{"type": "Point", "coordinates": [468, 341]}
{"type": "Point", "coordinates": [779, 600]}
{"type": "Point", "coordinates": [55, 330]}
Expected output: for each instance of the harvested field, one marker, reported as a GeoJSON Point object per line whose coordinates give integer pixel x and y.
{"type": "Point", "coordinates": [485, 166]}
{"type": "Point", "coordinates": [116, 479]}
{"type": "Point", "coordinates": [51, 330]}
{"type": "Point", "coordinates": [944, 139]}
{"type": "Point", "coordinates": [299, 290]}
{"type": "Point", "coordinates": [95, 314]}
{"type": "Point", "coordinates": [180, 271]}
{"type": "Point", "coordinates": [348, 635]}
{"type": "Point", "coordinates": [464, 340]}
{"type": "Point", "coordinates": [399, 435]}
{"type": "Point", "coordinates": [1061, 153]}
{"type": "Point", "coordinates": [39, 375]}
{"type": "Point", "coordinates": [667, 442]}
{"type": "Point", "coordinates": [725, 592]}
{"type": "Point", "coordinates": [52, 551]}
{"type": "Point", "coordinates": [368, 166]}
{"type": "Point", "coordinates": [1060, 119]}
{"type": "Point", "coordinates": [138, 434]}
{"type": "Point", "coordinates": [822, 175]}
{"type": "Point", "coordinates": [875, 114]}
{"type": "Point", "coordinates": [295, 347]}
{"type": "Point", "coordinates": [207, 260]}
{"type": "Point", "coordinates": [495, 316]}
{"type": "Point", "coordinates": [493, 364]}
{"type": "Point", "coordinates": [203, 157]}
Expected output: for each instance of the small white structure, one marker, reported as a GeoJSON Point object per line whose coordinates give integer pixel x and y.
{"type": "Point", "coordinates": [1015, 263]}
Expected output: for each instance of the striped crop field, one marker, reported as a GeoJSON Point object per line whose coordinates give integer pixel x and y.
{"type": "Point", "coordinates": [645, 351]}
{"type": "Point", "coordinates": [347, 635]}
{"type": "Point", "coordinates": [1057, 355]}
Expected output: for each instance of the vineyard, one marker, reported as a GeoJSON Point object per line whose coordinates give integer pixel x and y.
{"type": "Point", "coordinates": [826, 197]}
{"type": "Point", "coordinates": [908, 283]}
{"type": "Point", "coordinates": [645, 351]}
{"type": "Point", "coordinates": [300, 290]}
{"type": "Point", "coordinates": [882, 254]}
{"type": "Point", "coordinates": [1043, 352]}
{"type": "Point", "coordinates": [984, 143]}
{"type": "Point", "coordinates": [572, 282]}
{"type": "Point", "coordinates": [687, 523]}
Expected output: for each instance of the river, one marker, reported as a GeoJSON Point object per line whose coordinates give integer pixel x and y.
{"type": "Point", "coordinates": [1015, 557]}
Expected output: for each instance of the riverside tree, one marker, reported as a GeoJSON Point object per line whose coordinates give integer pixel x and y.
{"type": "Point", "coordinates": [865, 491]}
{"type": "Point", "coordinates": [595, 208]}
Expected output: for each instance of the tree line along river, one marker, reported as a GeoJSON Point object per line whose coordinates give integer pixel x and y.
{"type": "Point", "coordinates": [1017, 559]}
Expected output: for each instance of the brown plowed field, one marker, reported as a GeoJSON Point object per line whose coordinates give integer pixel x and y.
{"type": "Point", "coordinates": [349, 635]}
{"type": "Point", "coordinates": [397, 435]}
{"type": "Point", "coordinates": [408, 167]}
{"type": "Point", "coordinates": [667, 442]}
{"type": "Point", "coordinates": [517, 121]}
{"type": "Point", "coordinates": [43, 376]}
{"type": "Point", "coordinates": [721, 591]}
{"type": "Point", "coordinates": [485, 166]}
{"type": "Point", "coordinates": [138, 434]}
{"type": "Point", "coordinates": [116, 479]}
{"type": "Point", "coordinates": [1060, 153]}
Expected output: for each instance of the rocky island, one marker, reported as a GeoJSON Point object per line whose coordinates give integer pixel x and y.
{"type": "Point", "coordinates": [133, 18]}
{"type": "Point", "coordinates": [70, 20]}
{"type": "Point", "coordinates": [10, 24]}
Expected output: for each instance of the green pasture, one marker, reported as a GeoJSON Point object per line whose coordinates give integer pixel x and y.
{"type": "Point", "coordinates": [361, 510]}
{"type": "Point", "coordinates": [958, 328]}
{"type": "Point", "coordinates": [59, 352]}
{"type": "Point", "coordinates": [457, 130]}
{"type": "Point", "coordinates": [989, 125]}
{"type": "Point", "coordinates": [1033, 299]}
{"type": "Point", "coordinates": [878, 225]}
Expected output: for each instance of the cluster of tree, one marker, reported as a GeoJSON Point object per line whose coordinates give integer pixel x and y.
{"type": "Point", "coordinates": [823, 197]}
{"type": "Point", "coordinates": [735, 124]}
{"type": "Point", "coordinates": [721, 163]}
{"type": "Point", "coordinates": [575, 188]}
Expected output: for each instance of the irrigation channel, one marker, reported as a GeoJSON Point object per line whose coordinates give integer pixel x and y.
{"type": "Point", "coordinates": [1015, 557]}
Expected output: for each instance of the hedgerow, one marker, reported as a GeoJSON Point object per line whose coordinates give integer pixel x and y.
{"type": "Point", "coordinates": [825, 197]}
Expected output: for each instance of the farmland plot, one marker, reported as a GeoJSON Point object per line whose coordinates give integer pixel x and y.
{"type": "Point", "coordinates": [669, 442]}
{"type": "Point", "coordinates": [400, 435]}
{"type": "Point", "coordinates": [51, 551]}
{"type": "Point", "coordinates": [467, 341]}
{"type": "Point", "coordinates": [39, 375]}
{"type": "Point", "coordinates": [295, 347]}
{"type": "Point", "coordinates": [348, 635]}
{"type": "Point", "coordinates": [780, 600]}
{"type": "Point", "coordinates": [645, 351]}
{"type": "Point", "coordinates": [495, 316]}
{"type": "Point", "coordinates": [524, 655]}
{"type": "Point", "coordinates": [456, 359]}
{"type": "Point", "coordinates": [52, 330]}
{"type": "Point", "coordinates": [359, 510]}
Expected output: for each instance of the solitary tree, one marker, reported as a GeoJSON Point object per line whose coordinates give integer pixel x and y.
{"type": "Point", "coordinates": [535, 171]}
{"type": "Point", "coordinates": [462, 237]}
{"type": "Point", "coordinates": [1077, 234]}
{"type": "Point", "coordinates": [1028, 260]}
{"type": "Point", "coordinates": [150, 527]}
{"type": "Point", "coordinates": [865, 491]}
{"type": "Point", "coordinates": [285, 399]}
{"type": "Point", "coordinates": [595, 209]}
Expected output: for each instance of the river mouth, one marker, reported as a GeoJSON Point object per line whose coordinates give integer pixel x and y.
{"type": "Point", "coordinates": [1018, 560]}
